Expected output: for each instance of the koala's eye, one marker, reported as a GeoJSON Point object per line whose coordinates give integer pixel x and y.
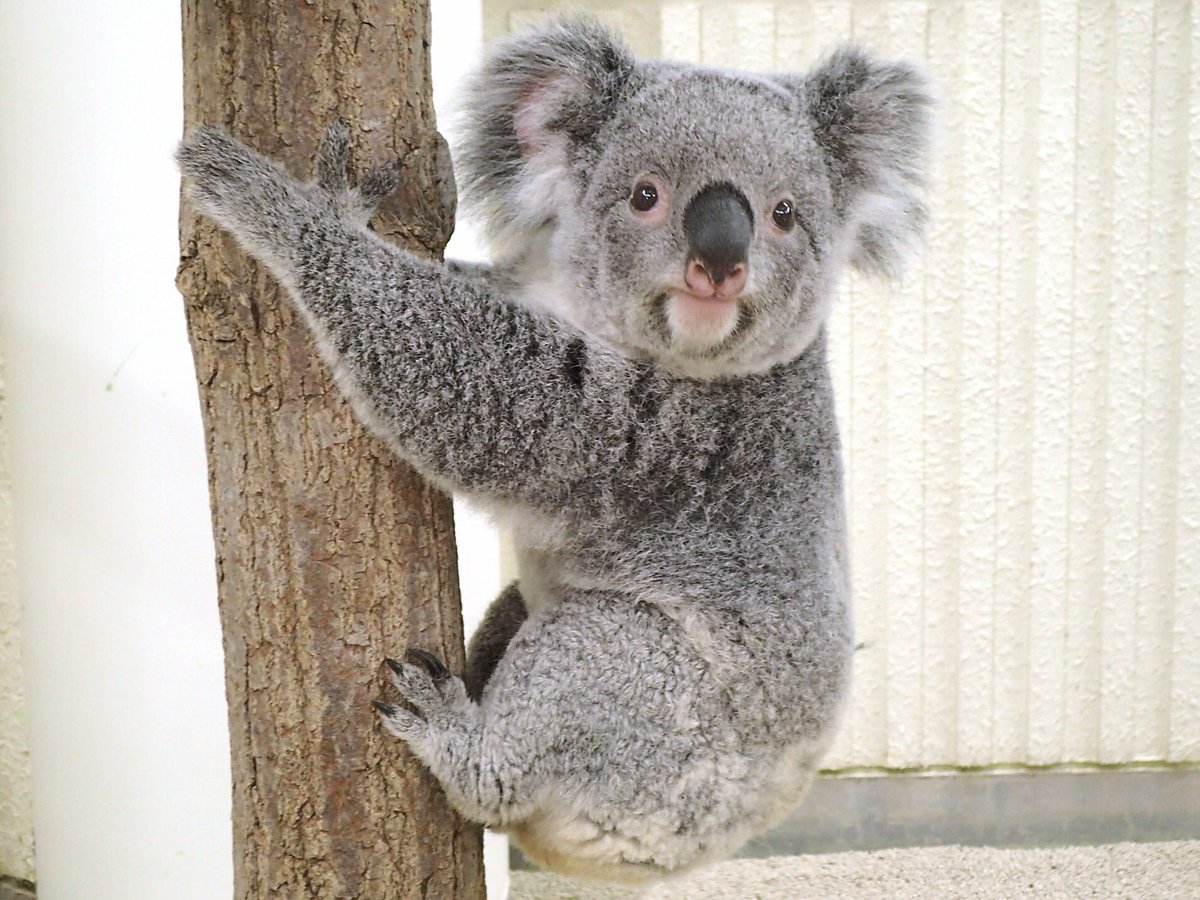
{"type": "Point", "coordinates": [784, 215]}
{"type": "Point", "coordinates": [645, 196]}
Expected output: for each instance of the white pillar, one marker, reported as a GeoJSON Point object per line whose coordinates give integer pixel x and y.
{"type": "Point", "coordinates": [114, 551]}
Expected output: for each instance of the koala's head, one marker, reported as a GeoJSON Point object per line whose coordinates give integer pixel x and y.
{"type": "Point", "coordinates": [694, 216]}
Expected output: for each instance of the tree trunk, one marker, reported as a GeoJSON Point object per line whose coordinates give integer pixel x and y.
{"type": "Point", "coordinates": [331, 554]}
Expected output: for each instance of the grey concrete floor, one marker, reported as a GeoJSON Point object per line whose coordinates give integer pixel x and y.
{"type": "Point", "coordinates": [1144, 871]}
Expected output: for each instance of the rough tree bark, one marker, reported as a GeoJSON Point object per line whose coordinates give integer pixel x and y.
{"type": "Point", "coordinates": [330, 553]}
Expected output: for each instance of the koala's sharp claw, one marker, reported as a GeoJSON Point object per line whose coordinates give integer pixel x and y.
{"type": "Point", "coordinates": [333, 156]}
{"type": "Point", "coordinates": [384, 708]}
{"type": "Point", "coordinates": [401, 722]}
{"type": "Point", "coordinates": [429, 663]}
{"type": "Point", "coordinates": [394, 666]}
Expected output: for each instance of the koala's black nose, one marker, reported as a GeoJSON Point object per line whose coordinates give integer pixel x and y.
{"type": "Point", "coordinates": [718, 225]}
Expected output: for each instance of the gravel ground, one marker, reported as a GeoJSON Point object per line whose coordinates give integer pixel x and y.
{"type": "Point", "coordinates": [1170, 871]}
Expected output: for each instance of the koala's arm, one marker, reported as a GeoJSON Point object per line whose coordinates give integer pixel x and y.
{"type": "Point", "coordinates": [476, 392]}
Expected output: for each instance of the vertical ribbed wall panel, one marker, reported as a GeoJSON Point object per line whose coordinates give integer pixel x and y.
{"type": "Point", "coordinates": [1185, 656]}
{"type": "Point", "coordinates": [979, 129]}
{"type": "Point", "coordinates": [1012, 452]}
{"type": "Point", "coordinates": [1092, 282]}
{"type": "Point", "coordinates": [1021, 413]}
{"type": "Point", "coordinates": [1127, 298]}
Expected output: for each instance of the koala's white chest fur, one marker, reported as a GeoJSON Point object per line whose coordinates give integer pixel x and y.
{"type": "Point", "coordinates": [543, 568]}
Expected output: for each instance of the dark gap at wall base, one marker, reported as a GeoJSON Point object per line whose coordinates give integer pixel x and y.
{"type": "Point", "coordinates": [1026, 809]}
{"type": "Point", "coordinates": [1023, 809]}
{"type": "Point", "coordinates": [16, 888]}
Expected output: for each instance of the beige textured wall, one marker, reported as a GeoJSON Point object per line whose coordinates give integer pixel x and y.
{"type": "Point", "coordinates": [16, 808]}
{"type": "Point", "coordinates": [1022, 414]}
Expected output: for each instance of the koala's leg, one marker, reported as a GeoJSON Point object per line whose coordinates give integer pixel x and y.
{"type": "Point", "coordinates": [604, 746]}
{"type": "Point", "coordinates": [506, 614]}
{"type": "Point", "coordinates": [446, 730]}
{"type": "Point", "coordinates": [493, 760]}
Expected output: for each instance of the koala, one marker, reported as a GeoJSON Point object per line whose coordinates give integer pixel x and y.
{"type": "Point", "coordinates": [639, 389]}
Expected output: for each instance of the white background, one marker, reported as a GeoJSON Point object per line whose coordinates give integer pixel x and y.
{"type": "Point", "coordinates": [122, 647]}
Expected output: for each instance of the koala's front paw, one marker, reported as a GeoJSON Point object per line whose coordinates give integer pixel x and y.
{"type": "Point", "coordinates": [264, 206]}
{"type": "Point", "coordinates": [431, 692]}
{"type": "Point", "coordinates": [333, 167]}
{"type": "Point", "coordinates": [245, 192]}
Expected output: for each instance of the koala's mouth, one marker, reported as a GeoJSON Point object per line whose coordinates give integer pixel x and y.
{"type": "Point", "coordinates": [695, 324]}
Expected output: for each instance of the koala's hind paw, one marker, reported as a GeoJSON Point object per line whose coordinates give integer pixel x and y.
{"type": "Point", "coordinates": [401, 722]}
{"type": "Point", "coordinates": [433, 695]}
{"type": "Point", "coordinates": [425, 683]}
{"type": "Point", "coordinates": [431, 664]}
{"type": "Point", "coordinates": [333, 175]}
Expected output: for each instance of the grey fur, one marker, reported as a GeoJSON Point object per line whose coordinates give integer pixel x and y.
{"type": "Point", "coordinates": [503, 619]}
{"type": "Point", "coordinates": [667, 677]}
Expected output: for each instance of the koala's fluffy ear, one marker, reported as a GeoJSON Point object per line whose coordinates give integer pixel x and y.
{"type": "Point", "coordinates": [873, 120]}
{"type": "Point", "coordinates": [539, 99]}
